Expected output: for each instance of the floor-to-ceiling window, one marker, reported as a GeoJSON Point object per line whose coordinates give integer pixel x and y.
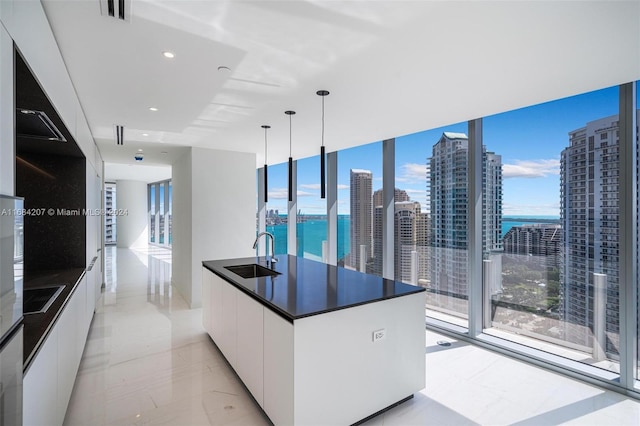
{"type": "Point", "coordinates": [553, 284]}
{"type": "Point", "coordinates": [110, 223]}
{"type": "Point", "coordinates": [159, 204]}
{"type": "Point", "coordinates": [312, 211]}
{"type": "Point", "coordinates": [276, 210]}
{"type": "Point", "coordinates": [430, 218]}
{"type": "Point", "coordinates": [637, 213]}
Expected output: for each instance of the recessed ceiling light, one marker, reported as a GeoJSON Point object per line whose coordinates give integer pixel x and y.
{"type": "Point", "coordinates": [145, 134]}
{"type": "Point", "coordinates": [168, 54]}
{"type": "Point", "coordinates": [163, 152]}
{"type": "Point", "coordinates": [153, 109]}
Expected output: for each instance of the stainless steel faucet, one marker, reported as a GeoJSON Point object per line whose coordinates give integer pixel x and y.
{"type": "Point", "coordinates": [273, 246]}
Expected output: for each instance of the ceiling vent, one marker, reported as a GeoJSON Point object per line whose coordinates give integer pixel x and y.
{"type": "Point", "coordinates": [37, 125]}
{"type": "Point", "coordinates": [120, 9]}
{"type": "Point", "coordinates": [119, 134]}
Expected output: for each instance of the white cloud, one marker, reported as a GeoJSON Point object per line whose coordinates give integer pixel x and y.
{"type": "Point", "coordinates": [412, 173]}
{"type": "Point", "coordinates": [342, 186]}
{"type": "Point", "coordinates": [310, 185]}
{"type": "Point", "coordinates": [416, 191]}
{"type": "Point", "coordinates": [283, 194]}
{"type": "Point", "coordinates": [531, 168]}
{"type": "Point", "coordinates": [279, 193]}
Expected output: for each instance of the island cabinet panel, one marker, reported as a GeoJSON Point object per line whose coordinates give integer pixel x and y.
{"type": "Point", "coordinates": [338, 362]}
{"type": "Point", "coordinates": [207, 301]}
{"type": "Point", "coordinates": [229, 325]}
{"type": "Point", "coordinates": [216, 306]}
{"type": "Point", "coordinates": [249, 361]}
{"type": "Point", "coordinates": [278, 369]}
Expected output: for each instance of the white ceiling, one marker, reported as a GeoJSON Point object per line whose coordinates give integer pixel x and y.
{"type": "Point", "coordinates": [392, 67]}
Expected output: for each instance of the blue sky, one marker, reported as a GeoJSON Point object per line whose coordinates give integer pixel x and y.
{"type": "Point", "coordinates": [529, 140]}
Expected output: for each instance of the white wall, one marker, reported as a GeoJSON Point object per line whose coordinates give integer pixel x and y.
{"type": "Point", "coordinates": [133, 230]}
{"type": "Point", "coordinates": [214, 213]}
{"type": "Point", "coordinates": [181, 275]}
{"type": "Point", "coordinates": [7, 148]}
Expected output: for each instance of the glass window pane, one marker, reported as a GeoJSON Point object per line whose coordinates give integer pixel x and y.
{"type": "Point", "coordinates": [278, 197]}
{"type": "Point", "coordinates": [161, 238]}
{"type": "Point", "coordinates": [554, 284]}
{"type": "Point", "coordinates": [359, 175]}
{"type": "Point", "coordinates": [431, 205]}
{"type": "Point", "coordinates": [109, 219]}
{"type": "Point", "coordinates": [312, 212]}
{"type": "Point", "coordinates": [637, 343]}
{"type": "Point", "coordinates": [152, 213]}
{"type": "Point", "coordinates": [170, 214]}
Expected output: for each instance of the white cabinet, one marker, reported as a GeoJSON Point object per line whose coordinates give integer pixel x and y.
{"type": "Point", "coordinates": [49, 381]}
{"type": "Point", "coordinates": [216, 306]}
{"type": "Point", "coordinates": [228, 325]}
{"type": "Point", "coordinates": [235, 323]}
{"type": "Point", "coordinates": [91, 277]}
{"type": "Point", "coordinates": [40, 385]}
{"type": "Point", "coordinates": [278, 369]}
{"type": "Point", "coordinates": [68, 327]}
{"type": "Point", "coordinates": [207, 278]}
{"type": "Point", "coordinates": [250, 342]}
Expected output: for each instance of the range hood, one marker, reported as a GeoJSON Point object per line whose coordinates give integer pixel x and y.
{"type": "Point", "coordinates": [37, 125]}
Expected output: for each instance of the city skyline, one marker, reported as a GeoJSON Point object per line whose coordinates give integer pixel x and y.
{"type": "Point", "coordinates": [529, 140]}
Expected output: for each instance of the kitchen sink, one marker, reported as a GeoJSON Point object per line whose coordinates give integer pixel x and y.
{"type": "Point", "coordinates": [252, 271]}
{"type": "Point", "coordinates": [38, 300]}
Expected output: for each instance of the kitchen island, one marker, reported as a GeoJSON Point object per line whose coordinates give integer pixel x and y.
{"type": "Point", "coordinates": [314, 343]}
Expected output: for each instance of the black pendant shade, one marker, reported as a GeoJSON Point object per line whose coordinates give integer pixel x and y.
{"type": "Point", "coordinates": [322, 93]}
{"type": "Point", "coordinates": [290, 179]}
{"type": "Point", "coordinates": [266, 195]}
{"type": "Point", "coordinates": [290, 113]}
{"type": "Point", "coordinates": [322, 176]}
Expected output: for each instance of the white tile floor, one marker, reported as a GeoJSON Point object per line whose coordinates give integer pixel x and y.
{"type": "Point", "coordinates": [148, 361]}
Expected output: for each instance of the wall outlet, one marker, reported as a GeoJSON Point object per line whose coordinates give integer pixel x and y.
{"type": "Point", "coordinates": [379, 334]}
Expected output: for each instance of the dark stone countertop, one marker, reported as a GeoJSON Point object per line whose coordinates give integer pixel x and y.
{"type": "Point", "coordinates": [37, 326]}
{"type": "Point", "coordinates": [306, 287]}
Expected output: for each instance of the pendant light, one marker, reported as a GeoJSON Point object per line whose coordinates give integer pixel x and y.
{"type": "Point", "coordinates": [265, 127]}
{"type": "Point", "coordinates": [290, 113]}
{"type": "Point", "coordinates": [322, 93]}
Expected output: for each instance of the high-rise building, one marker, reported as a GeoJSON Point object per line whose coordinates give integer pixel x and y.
{"type": "Point", "coordinates": [589, 214]}
{"type": "Point", "coordinates": [423, 247]}
{"type": "Point", "coordinates": [361, 217]}
{"type": "Point", "coordinates": [378, 201]}
{"type": "Point", "coordinates": [491, 202]}
{"type": "Point", "coordinates": [449, 197]}
{"type": "Point", "coordinates": [536, 242]}
{"type": "Point", "coordinates": [406, 218]}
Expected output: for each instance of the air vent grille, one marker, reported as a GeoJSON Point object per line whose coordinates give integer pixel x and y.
{"type": "Point", "coordinates": [119, 134]}
{"type": "Point", "coordinates": [120, 9]}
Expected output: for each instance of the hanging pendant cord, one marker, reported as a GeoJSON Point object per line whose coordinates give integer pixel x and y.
{"type": "Point", "coordinates": [265, 144]}
{"type": "Point", "coordinates": [289, 135]}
